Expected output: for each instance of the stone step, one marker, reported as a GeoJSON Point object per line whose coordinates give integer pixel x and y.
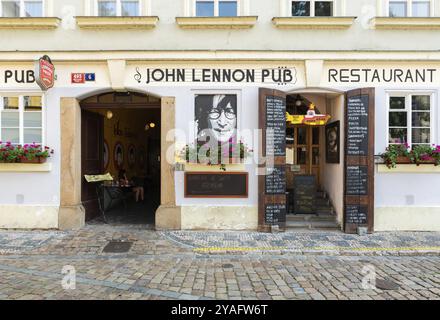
{"type": "Point", "coordinates": [310, 217]}
{"type": "Point", "coordinates": [312, 225]}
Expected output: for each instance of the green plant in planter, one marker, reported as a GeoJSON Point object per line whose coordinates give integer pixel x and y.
{"type": "Point", "coordinates": [393, 152]}
{"type": "Point", "coordinates": [425, 153]}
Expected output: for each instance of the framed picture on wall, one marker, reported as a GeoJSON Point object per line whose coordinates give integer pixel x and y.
{"type": "Point", "coordinates": [332, 142]}
{"type": "Point", "coordinates": [119, 156]}
{"type": "Point", "coordinates": [216, 117]}
{"type": "Point", "coordinates": [131, 155]}
{"type": "Point", "coordinates": [141, 158]}
{"type": "Point", "coordinates": [106, 156]}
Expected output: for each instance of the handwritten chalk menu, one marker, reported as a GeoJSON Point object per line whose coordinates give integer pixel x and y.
{"type": "Point", "coordinates": [359, 160]}
{"type": "Point", "coordinates": [356, 180]}
{"type": "Point", "coordinates": [216, 185]}
{"type": "Point", "coordinates": [304, 194]}
{"type": "Point", "coordinates": [272, 206]}
{"type": "Point", "coordinates": [357, 125]}
{"type": "Point", "coordinates": [275, 126]}
{"type": "Point", "coordinates": [355, 214]}
{"type": "Point", "coordinates": [276, 180]}
{"type": "Point", "coordinates": [275, 213]}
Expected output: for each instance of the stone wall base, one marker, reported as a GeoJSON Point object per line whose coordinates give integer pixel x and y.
{"type": "Point", "coordinates": [28, 217]}
{"type": "Point", "coordinates": [407, 219]}
{"type": "Point", "coordinates": [168, 218]}
{"type": "Point", "coordinates": [71, 217]}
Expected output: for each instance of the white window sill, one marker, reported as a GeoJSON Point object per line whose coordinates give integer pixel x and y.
{"type": "Point", "coordinates": [117, 22]}
{"type": "Point", "coordinates": [313, 22]}
{"type": "Point", "coordinates": [30, 23]}
{"type": "Point", "coordinates": [426, 23]}
{"type": "Point", "coordinates": [26, 167]}
{"type": "Point", "coordinates": [217, 22]}
{"type": "Point", "coordinates": [409, 168]}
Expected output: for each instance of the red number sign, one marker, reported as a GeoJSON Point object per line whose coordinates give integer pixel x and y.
{"type": "Point", "coordinates": [78, 78]}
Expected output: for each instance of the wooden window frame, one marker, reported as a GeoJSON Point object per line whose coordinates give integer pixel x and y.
{"type": "Point", "coordinates": [216, 7]}
{"type": "Point", "coordinates": [22, 8]}
{"type": "Point", "coordinates": [408, 109]}
{"type": "Point", "coordinates": [118, 8]}
{"type": "Point", "coordinates": [21, 112]}
{"type": "Point", "coordinates": [409, 7]}
{"type": "Point", "coordinates": [312, 7]}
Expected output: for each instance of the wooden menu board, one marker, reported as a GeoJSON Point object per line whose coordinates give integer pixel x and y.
{"type": "Point", "coordinates": [304, 194]}
{"type": "Point", "coordinates": [359, 160]}
{"type": "Point", "coordinates": [272, 179]}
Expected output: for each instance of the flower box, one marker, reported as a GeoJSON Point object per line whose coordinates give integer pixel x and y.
{"type": "Point", "coordinates": [200, 167]}
{"type": "Point", "coordinates": [403, 160]}
{"type": "Point", "coordinates": [34, 160]}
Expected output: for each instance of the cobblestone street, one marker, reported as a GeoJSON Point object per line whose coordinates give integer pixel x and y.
{"type": "Point", "coordinates": [219, 265]}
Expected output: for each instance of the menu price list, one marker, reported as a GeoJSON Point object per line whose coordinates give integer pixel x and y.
{"type": "Point", "coordinates": [356, 214]}
{"type": "Point", "coordinates": [357, 180]}
{"type": "Point", "coordinates": [276, 180]}
{"type": "Point", "coordinates": [275, 126]}
{"type": "Point", "coordinates": [275, 213]}
{"type": "Point", "coordinates": [357, 125]}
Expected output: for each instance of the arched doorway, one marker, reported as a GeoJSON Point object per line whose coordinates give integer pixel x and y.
{"type": "Point", "coordinates": [120, 140]}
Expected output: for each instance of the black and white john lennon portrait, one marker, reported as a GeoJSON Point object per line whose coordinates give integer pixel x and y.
{"type": "Point", "coordinates": [216, 118]}
{"type": "Point", "coordinates": [332, 137]}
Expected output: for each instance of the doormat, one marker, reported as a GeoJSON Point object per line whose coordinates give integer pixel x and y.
{"type": "Point", "coordinates": [117, 247]}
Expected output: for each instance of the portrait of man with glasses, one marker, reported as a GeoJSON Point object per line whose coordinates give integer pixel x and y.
{"type": "Point", "coordinates": [216, 117]}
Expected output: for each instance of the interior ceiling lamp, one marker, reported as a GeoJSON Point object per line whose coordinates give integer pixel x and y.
{"type": "Point", "coordinates": [109, 114]}
{"type": "Point", "coordinates": [298, 101]}
{"type": "Point", "coordinates": [311, 118]}
{"type": "Point", "coordinates": [152, 125]}
{"type": "Point", "coordinates": [147, 127]}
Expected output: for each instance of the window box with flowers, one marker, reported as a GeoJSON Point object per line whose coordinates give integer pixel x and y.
{"type": "Point", "coordinates": [202, 157]}
{"type": "Point", "coordinates": [419, 158]}
{"type": "Point", "coordinates": [30, 157]}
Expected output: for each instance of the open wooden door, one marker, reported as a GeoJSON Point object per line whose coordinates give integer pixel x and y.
{"type": "Point", "coordinates": [92, 140]}
{"type": "Point", "coordinates": [359, 160]}
{"type": "Point", "coordinates": [272, 164]}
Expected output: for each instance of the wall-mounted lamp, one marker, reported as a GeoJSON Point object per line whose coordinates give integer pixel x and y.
{"type": "Point", "coordinates": [109, 115]}
{"type": "Point", "coordinates": [152, 125]}
{"type": "Point", "coordinates": [147, 127]}
{"type": "Point", "coordinates": [298, 101]}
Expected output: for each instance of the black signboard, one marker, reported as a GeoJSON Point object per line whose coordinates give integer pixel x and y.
{"type": "Point", "coordinates": [276, 180]}
{"type": "Point", "coordinates": [275, 213]}
{"type": "Point", "coordinates": [356, 214]}
{"type": "Point", "coordinates": [357, 125]}
{"type": "Point", "coordinates": [356, 180]}
{"type": "Point", "coordinates": [304, 194]}
{"type": "Point", "coordinates": [216, 185]}
{"type": "Point", "coordinates": [359, 160]}
{"type": "Point", "coordinates": [275, 126]}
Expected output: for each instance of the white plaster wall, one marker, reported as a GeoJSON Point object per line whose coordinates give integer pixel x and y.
{"type": "Point", "coordinates": [28, 217]}
{"type": "Point", "coordinates": [264, 36]}
{"type": "Point", "coordinates": [333, 173]}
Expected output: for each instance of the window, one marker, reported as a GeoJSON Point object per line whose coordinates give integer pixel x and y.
{"type": "Point", "coordinates": [312, 8]}
{"type": "Point", "coordinates": [127, 8]}
{"type": "Point", "coordinates": [409, 119]}
{"type": "Point", "coordinates": [21, 8]}
{"type": "Point", "coordinates": [216, 8]}
{"type": "Point", "coordinates": [409, 8]}
{"type": "Point", "coordinates": [21, 119]}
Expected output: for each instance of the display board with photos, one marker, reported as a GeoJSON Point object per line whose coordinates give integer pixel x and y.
{"type": "Point", "coordinates": [359, 160]}
{"type": "Point", "coordinates": [272, 206]}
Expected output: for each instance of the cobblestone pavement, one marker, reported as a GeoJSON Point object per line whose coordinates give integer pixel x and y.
{"type": "Point", "coordinates": [211, 265]}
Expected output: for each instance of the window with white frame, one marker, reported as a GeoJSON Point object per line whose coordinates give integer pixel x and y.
{"type": "Point", "coordinates": [21, 8]}
{"type": "Point", "coordinates": [409, 8]}
{"type": "Point", "coordinates": [21, 119]}
{"type": "Point", "coordinates": [125, 8]}
{"type": "Point", "coordinates": [312, 8]}
{"type": "Point", "coordinates": [216, 8]}
{"type": "Point", "coordinates": [410, 118]}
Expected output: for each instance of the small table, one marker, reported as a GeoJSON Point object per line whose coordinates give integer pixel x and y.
{"type": "Point", "coordinates": [114, 192]}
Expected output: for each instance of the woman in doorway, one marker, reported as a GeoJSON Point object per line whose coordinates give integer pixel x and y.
{"type": "Point", "coordinates": [138, 188]}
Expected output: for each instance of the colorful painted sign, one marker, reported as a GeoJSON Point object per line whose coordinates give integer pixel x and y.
{"type": "Point", "coordinates": [45, 73]}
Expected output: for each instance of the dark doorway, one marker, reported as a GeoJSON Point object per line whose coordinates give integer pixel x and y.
{"type": "Point", "coordinates": [121, 139]}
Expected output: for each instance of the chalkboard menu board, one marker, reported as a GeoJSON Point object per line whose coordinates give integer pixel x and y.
{"type": "Point", "coordinates": [275, 213]}
{"type": "Point", "coordinates": [356, 180]}
{"type": "Point", "coordinates": [304, 194]}
{"type": "Point", "coordinates": [276, 180]}
{"type": "Point", "coordinates": [272, 205]}
{"type": "Point", "coordinates": [275, 126]}
{"type": "Point", "coordinates": [216, 184]}
{"type": "Point", "coordinates": [357, 125]}
{"type": "Point", "coordinates": [359, 160]}
{"type": "Point", "coordinates": [356, 214]}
